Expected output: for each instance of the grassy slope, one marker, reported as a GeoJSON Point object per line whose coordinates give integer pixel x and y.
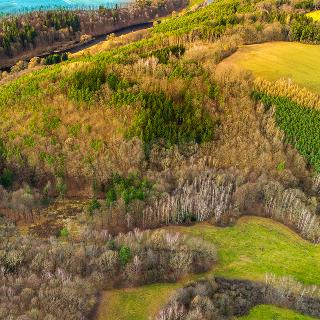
{"type": "Point", "coordinates": [134, 303]}
{"type": "Point", "coordinates": [248, 250]}
{"type": "Point", "coordinates": [275, 60]}
{"type": "Point", "coordinates": [315, 15]}
{"type": "Point", "coordinates": [264, 312]}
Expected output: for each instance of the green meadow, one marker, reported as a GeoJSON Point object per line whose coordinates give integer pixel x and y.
{"type": "Point", "coordinates": [275, 60]}
{"type": "Point", "coordinates": [248, 250]}
{"type": "Point", "coordinates": [265, 312]}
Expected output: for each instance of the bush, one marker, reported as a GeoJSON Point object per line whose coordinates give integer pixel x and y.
{"type": "Point", "coordinates": [7, 178]}
{"type": "Point", "coordinates": [281, 166]}
{"type": "Point", "coordinates": [124, 255]}
{"type": "Point", "coordinates": [93, 205]}
{"type": "Point", "coordinates": [164, 54]}
{"type": "Point", "coordinates": [306, 5]}
{"type": "Point", "coordinates": [305, 29]}
{"type": "Point", "coordinates": [128, 189]}
{"type": "Point", "coordinates": [55, 58]}
{"type": "Point", "coordinates": [64, 233]}
{"type": "Point", "coordinates": [113, 81]}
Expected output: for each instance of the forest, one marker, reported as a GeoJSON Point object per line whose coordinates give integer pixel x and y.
{"type": "Point", "coordinates": [36, 33]}
{"type": "Point", "coordinates": [146, 177]}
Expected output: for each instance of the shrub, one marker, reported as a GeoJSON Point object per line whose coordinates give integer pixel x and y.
{"type": "Point", "coordinates": [305, 29]}
{"type": "Point", "coordinates": [129, 189]}
{"type": "Point", "coordinates": [164, 54]}
{"type": "Point", "coordinates": [281, 166]}
{"type": "Point", "coordinates": [93, 205]}
{"type": "Point", "coordinates": [113, 81]}
{"type": "Point", "coordinates": [124, 255]}
{"type": "Point", "coordinates": [64, 233]}
{"type": "Point", "coordinates": [55, 58]}
{"type": "Point", "coordinates": [6, 178]}
{"type": "Point", "coordinates": [306, 4]}
{"type": "Point", "coordinates": [64, 56]}
{"type": "Point", "coordinates": [61, 187]}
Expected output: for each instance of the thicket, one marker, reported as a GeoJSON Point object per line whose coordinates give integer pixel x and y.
{"type": "Point", "coordinates": [83, 84]}
{"type": "Point", "coordinates": [210, 21]}
{"type": "Point", "coordinates": [304, 29]}
{"type": "Point", "coordinates": [14, 31]}
{"type": "Point", "coordinates": [24, 202]}
{"type": "Point", "coordinates": [60, 19]}
{"type": "Point", "coordinates": [127, 188]}
{"type": "Point", "coordinates": [60, 278]}
{"type": "Point", "coordinates": [305, 4]}
{"type": "Point", "coordinates": [160, 119]}
{"type": "Point", "coordinates": [291, 207]}
{"type": "Point", "coordinates": [219, 298]}
{"type": "Point", "coordinates": [164, 54]}
{"type": "Point", "coordinates": [55, 58]}
{"type": "Point", "coordinates": [207, 197]}
{"type": "Point", "coordinates": [299, 123]}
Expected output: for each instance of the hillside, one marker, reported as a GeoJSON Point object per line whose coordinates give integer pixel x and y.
{"type": "Point", "coordinates": [249, 250]}
{"type": "Point", "coordinates": [169, 173]}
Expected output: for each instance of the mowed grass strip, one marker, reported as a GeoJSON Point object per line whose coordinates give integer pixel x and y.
{"type": "Point", "coordinates": [265, 312]}
{"type": "Point", "coordinates": [248, 250]}
{"type": "Point", "coordinates": [275, 60]}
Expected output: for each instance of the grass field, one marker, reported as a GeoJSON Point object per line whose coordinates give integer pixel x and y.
{"type": "Point", "coordinates": [264, 312]}
{"type": "Point", "coordinates": [274, 60]}
{"type": "Point", "coordinates": [248, 250]}
{"type": "Point", "coordinates": [135, 303]}
{"type": "Point", "coordinates": [315, 15]}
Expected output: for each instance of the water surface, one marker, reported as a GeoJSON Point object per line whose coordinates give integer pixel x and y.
{"type": "Point", "coordinates": [19, 6]}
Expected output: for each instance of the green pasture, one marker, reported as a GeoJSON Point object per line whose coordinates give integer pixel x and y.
{"type": "Point", "coordinates": [275, 60]}
{"type": "Point", "coordinates": [249, 250]}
